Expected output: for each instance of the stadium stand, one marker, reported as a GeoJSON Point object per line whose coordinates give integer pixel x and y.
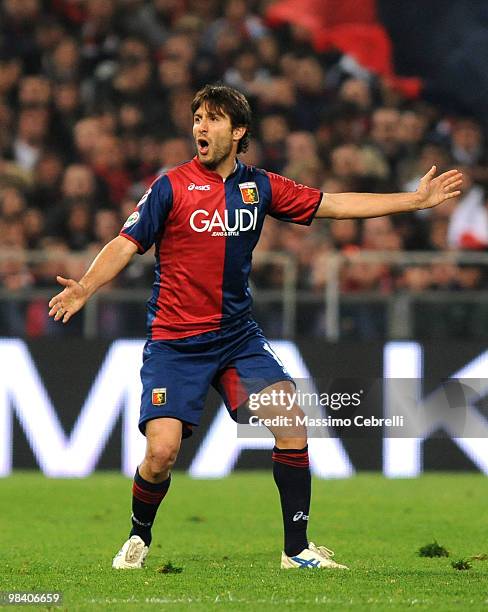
{"type": "Point", "coordinates": [95, 102]}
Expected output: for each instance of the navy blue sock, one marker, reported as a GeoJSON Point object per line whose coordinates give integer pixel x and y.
{"type": "Point", "coordinates": [146, 497]}
{"type": "Point", "coordinates": [292, 477]}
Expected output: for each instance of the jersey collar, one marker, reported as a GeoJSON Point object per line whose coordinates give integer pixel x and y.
{"type": "Point", "coordinates": [211, 173]}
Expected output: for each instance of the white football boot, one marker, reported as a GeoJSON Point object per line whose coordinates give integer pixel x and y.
{"type": "Point", "coordinates": [313, 557]}
{"type": "Point", "coordinates": [131, 555]}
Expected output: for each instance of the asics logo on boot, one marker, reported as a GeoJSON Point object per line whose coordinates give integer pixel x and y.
{"type": "Point", "coordinates": [306, 562]}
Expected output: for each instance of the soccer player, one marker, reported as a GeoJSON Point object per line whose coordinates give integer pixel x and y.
{"type": "Point", "coordinates": [204, 218]}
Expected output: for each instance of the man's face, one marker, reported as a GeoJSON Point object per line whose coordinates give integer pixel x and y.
{"type": "Point", "coordinates": [214, 136]}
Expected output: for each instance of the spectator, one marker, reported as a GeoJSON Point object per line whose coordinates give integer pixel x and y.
{"type": "Point", "coordinates": [49, 33]}
{"type": "Point", "coordinates": [310, 86]}
{"type": "Point", "coordinates": [76, 227]}
{"type": "Point", "coordinates": [236, 19]}
{"type": "Point", "coordinates": [301, 147]}
{"type": "Point", "coordinates": [356, 91]}
{"type": "Point", "coordinates": [86, 133]}
{"type": "Point", "coordinates": [99, 37]}
{"type": "Point", "coordinates": [31, 137]}
{"type": "Point", "coordinates": [379, 234]}
{"type": "Point", "coordinates": [10, 72]}
{"type": "Point", "coordinates": [33, 221]}
{"type": "Point", "coordinates": [274, 132]}
{"type": "Point", "coordinates": [108, 163]}
{"type": "Point", "coordinates": [106, 227]}
{"type": "Point", "coordinates": [246, 74]}
{"type": "Point", "coordinates": [47, 180]}
{"type": "Point", "coordinates": [174, 151]}
{"type": "Point", "coordinates": [416, 279]}
{"type": "Point", "coordinates": [466, 142]}
{"type": "Point", "coordinates": [12, 203]}
{"type": "Point", "coordinates": [468, 224]}
{"type": "Point", "coordinates": [467, 148]}
{"type": "Point", "coordinates": [438, 234]}
{"type": "Point", "coordinates": [66, 113]}
{"type": "Point", "coordinates": [153, 20]}
{"type": "Point", "coordinates": [384, 136]}
{"type": "Point", "coordinates": [18, 19]}
{"type": "Point", "coordinates": [132, 81]}
{"type": "Point", "coordinates": [78, 184]}
{"type": "Point", "coordinates": [344, 234]}
{"type": "Point", "coordinates": [64, 61]}
{"type": "Point", "coordinates": [34, 92]}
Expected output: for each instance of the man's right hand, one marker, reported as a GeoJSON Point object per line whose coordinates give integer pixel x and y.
{"type": "Point", "coordinates": [71, 299]}
{"type": "Point", "coordinates": [107, 264]}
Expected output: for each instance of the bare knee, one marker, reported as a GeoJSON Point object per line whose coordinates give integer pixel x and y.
{"type": "Point", "coordinates": [163, 439]}
{"type": "Point", "coordinates": [298, 442]}
{"type": "Point", "coordinates": [292, 436]}
{"type": "Point", "coordinates": [159, 460]}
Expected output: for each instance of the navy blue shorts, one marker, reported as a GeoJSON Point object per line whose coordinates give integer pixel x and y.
{"type": "Point", "coordinates": [176, 374]}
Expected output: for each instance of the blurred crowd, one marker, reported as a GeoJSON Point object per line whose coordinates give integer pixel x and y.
{"type": "Point", "coordinates": [95, 102]}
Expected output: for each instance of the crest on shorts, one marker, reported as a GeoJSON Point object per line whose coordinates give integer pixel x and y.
{"type": "Point", "coordinates": [249, 192]}
{"type": "Point", "coordinates": [159, 396]}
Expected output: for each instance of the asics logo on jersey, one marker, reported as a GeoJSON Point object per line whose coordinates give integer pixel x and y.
{"type": "Point", "coordinates": [230, 224]}
{"type": "Point", "coordinates": [192, 186]}
{"type": "Point", "coordinates": [299, 515]}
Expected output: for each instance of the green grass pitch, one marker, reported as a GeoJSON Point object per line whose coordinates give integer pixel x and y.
{"type": "Point", "coordinates": [225, 535]}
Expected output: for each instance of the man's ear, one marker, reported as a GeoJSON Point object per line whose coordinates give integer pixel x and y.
{"type": "Point", "coordinates": [238, 132]}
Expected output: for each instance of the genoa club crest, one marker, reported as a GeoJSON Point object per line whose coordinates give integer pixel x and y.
{"type": "Point", "coordinates": [249, 192]}
{"type": "Point", "coordinates": [159, 397]}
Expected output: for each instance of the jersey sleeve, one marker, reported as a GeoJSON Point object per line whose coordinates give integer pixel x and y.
{"type": "Point", "coordinates": [291, 201]}
{"type": "Point", "coordinates": [147, 221]}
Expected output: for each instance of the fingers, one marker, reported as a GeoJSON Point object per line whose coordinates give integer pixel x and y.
{"type": "Point", "coordinates": [66, 317]}
{"type": "Point", "coordinates": [430, 174]}
{"type": "Point", "coordinates": [449, 174]}
{"type": "Point", "coordinates": [60, 312]}
{"type": "Point", "coordinates": [452, 179]}
{"type": "Point", "coordinates": [453, 194]}
{"type": "Point", "coordinates": [453, 185]}
{"type": "Point", "coordinates": [57, 309]}
{"type": "Point", "coordinates": [54, 301]}
{"type": "Point", "coordinates": [62, 315]}
{"type": "Point", "coordinates": [66, 282]}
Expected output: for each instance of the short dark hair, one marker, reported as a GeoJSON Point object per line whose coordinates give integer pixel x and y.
{"type": "Point", "coordinates": [232, 102]}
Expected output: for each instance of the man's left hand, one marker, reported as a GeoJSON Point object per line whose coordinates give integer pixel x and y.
{"type": "Point", "coordinates": [434, 191]}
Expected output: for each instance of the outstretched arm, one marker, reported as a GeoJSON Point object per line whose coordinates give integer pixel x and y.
{"type": "Point", "coordinates": [108, 263]}
{"type": "Point", "coordinates": [431, 192]}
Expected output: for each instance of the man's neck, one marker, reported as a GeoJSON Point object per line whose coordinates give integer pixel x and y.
{"type": "Point", "coordinates": [226, 167]}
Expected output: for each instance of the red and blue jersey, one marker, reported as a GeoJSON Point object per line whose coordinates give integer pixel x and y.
{"type": "Point", "coordinates": [204, 230]}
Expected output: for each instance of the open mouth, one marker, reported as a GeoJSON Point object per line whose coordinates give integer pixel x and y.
{"type": "Point", "coordinates": [202, 144]}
